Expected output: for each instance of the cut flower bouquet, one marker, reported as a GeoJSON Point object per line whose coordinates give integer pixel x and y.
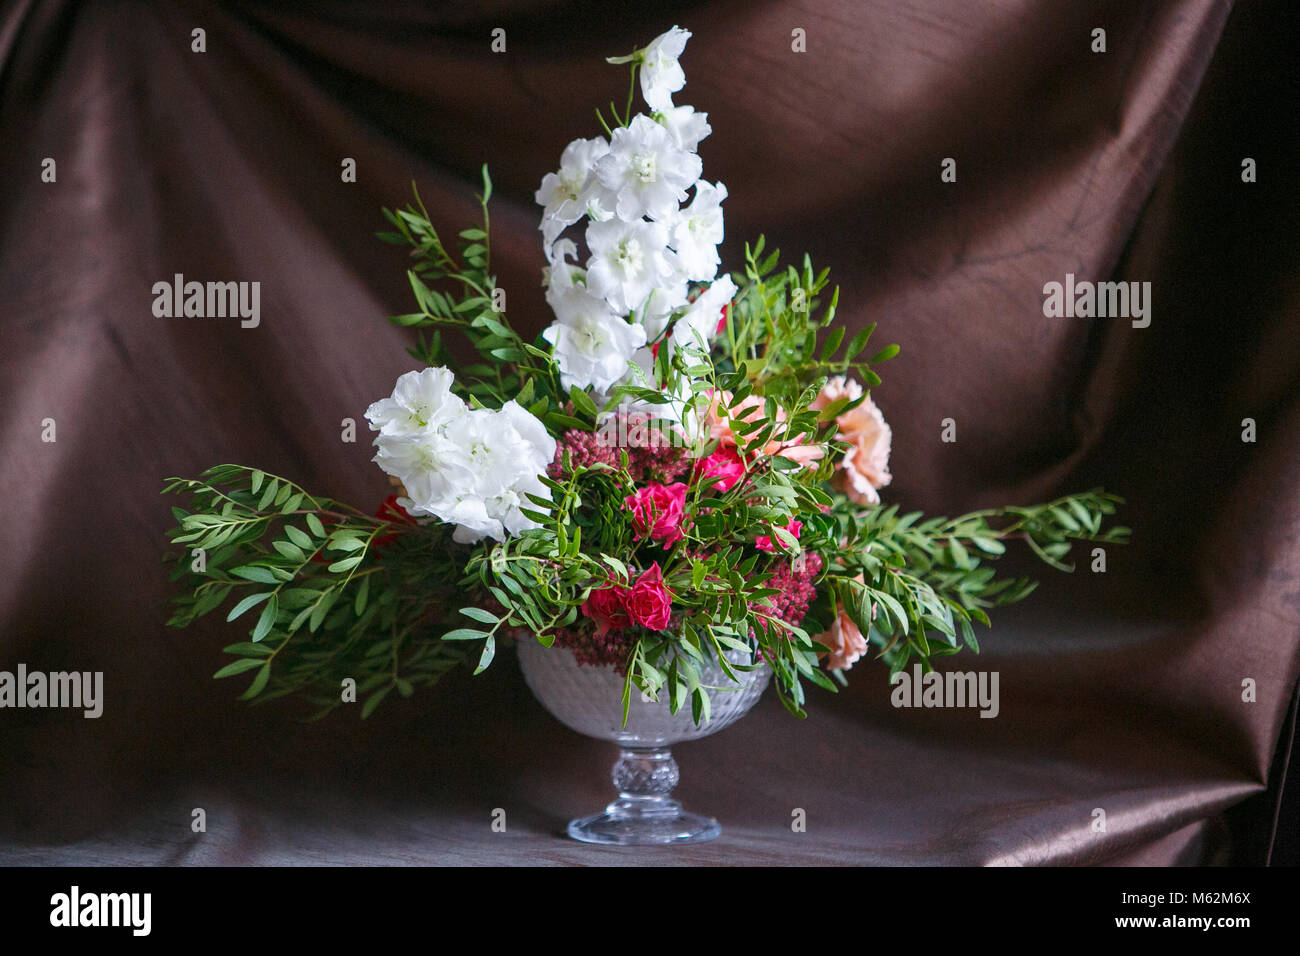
{"type": "Point", "coordinates": [682, 474]}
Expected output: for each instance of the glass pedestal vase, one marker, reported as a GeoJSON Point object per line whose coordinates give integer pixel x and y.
{"type": "Point", "coordinates": [590, 700]}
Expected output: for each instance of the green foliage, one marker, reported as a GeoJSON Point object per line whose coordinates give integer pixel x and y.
{"type": "Point", "coordinates": [926, 582]}
{"type": "Point", "coordinates": [779, 336]}
{"type": "Point", "coordinates": [459, 292]}
{"type": "Point", "coordinates": [307, 572]}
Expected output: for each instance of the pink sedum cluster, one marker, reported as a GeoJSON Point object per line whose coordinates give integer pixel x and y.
{"type": "Point", "coordinates": [651, 455]}
{"type": "Point", "coordinates": [794, 579]}
{"type": "Point", "coordinates": [584, 449]}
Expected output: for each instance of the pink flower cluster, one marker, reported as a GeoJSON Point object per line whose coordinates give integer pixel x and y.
{"type": "Point", "coordinates": [597, 650]}
{"type": "Point", "coordinates": [723, 420]}
{"type": "Point", "coordinates": [794, 579]}
{"type": "Point", "coordinates": [651, 454]}
{"type": "Point", "coordinates": [584, 450]}
{"type": "Point", "coordinates": [615, 610]}
{"type": "Point", "coordinates": [865, 466]}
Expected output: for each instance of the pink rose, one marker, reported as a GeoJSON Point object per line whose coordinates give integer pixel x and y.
{"type": "Point", "coordinates": [764, 542]}
{"type": "Point", "coordinates": [649, 603]}
{"type": "Point", "coordinates": [658, 510]}
{"type": "Point", "coordinates": [725, 465]}
{"type": "Point", "coordinates": [605, 607]}
{"type": "Point", "coordinates": [845, 641]}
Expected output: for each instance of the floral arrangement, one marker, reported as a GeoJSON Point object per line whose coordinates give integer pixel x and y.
{"type": "Point", "coordinates": [682, 464]}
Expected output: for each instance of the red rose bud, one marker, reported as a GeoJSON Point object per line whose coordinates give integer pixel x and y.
{"type": "Point", "coordinates": [649, 603]}
{"type": "Point", "coordinates": [725, 465]}
{"type": "Point", "coordinates": [605, 607]}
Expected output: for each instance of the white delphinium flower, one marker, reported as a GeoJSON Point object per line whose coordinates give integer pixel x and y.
{"type": "Point", "coordinates": [657, 310]}
{"type": "Point", "coordinates": [685, 126]}
{"type": "Point", "coordinates": [590, 342]}
{"type": "Point", "coordinates": [556, 253]}
{"type": "Point", "coordinates": [574, 191]}
{"type": "Point", "coordinates": [505, 451]}
{"type": "Point", "coordinates": [628, 261]}
{"type": "Point", "coordinates": [669, 295]}
{"type": "Point", "coordinates": [412, 444]}
{"type": "Point", "coordinates": [421, 401]}
{"type": "Point", "coordinates": [470, 468]}
{"type": "Point", "coordinates": [661, 74]}
{"type": "Point", "coordinates": [647, 173]}
{"type": "Point", "coordinates": [698, 326]}
{"type": "Point", "coordinates": [696, 231]}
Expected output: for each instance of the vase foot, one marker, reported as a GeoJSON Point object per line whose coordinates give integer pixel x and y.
{"type": "Point", "coordinates": [644, 814]}
{"type": "Point", "coordinates": [666, 826]}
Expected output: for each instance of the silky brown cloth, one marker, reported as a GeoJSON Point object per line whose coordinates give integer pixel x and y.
{"type": "Point", "coordinates": [1121, 691]}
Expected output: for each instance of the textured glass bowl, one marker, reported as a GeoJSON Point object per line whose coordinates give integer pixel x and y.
{"type": "Point", "coordinates": [590, 700]}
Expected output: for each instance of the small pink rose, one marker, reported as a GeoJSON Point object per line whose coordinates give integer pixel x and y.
{"type": "Point", "coordinates": [657, 511]}
{"type": "Point", "coordinates": [725, 465]}
{"type": "Point", "coordinates": [649, 603]}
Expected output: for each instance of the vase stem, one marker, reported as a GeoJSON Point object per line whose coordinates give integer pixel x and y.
{"type": "Point", "coordinates": [644, 777]}
{"type": "Point", "coordinates": [644, 813]}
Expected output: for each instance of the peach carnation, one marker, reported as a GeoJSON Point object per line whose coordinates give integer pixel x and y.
{"type": "Point", "coordinates": [845, 641]}
{"type": "Point", "coordinates": [720, 416]}
{"type": "Point", "coordinates": [865, 467]}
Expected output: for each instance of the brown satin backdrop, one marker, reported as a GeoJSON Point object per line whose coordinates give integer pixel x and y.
{"type": "Point", "coordinates": [1120, 691]}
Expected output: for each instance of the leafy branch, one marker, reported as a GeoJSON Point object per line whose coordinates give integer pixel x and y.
{"type": "Point", "coordinates": [459, 292]}
{"type": "Point", "coordinates": [331, 611]}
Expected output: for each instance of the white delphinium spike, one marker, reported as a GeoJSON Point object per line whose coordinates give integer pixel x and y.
{"type": "Point", "coordinates": [646, 171]}
{"type": "Point", "coordinates": [573, 192]}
